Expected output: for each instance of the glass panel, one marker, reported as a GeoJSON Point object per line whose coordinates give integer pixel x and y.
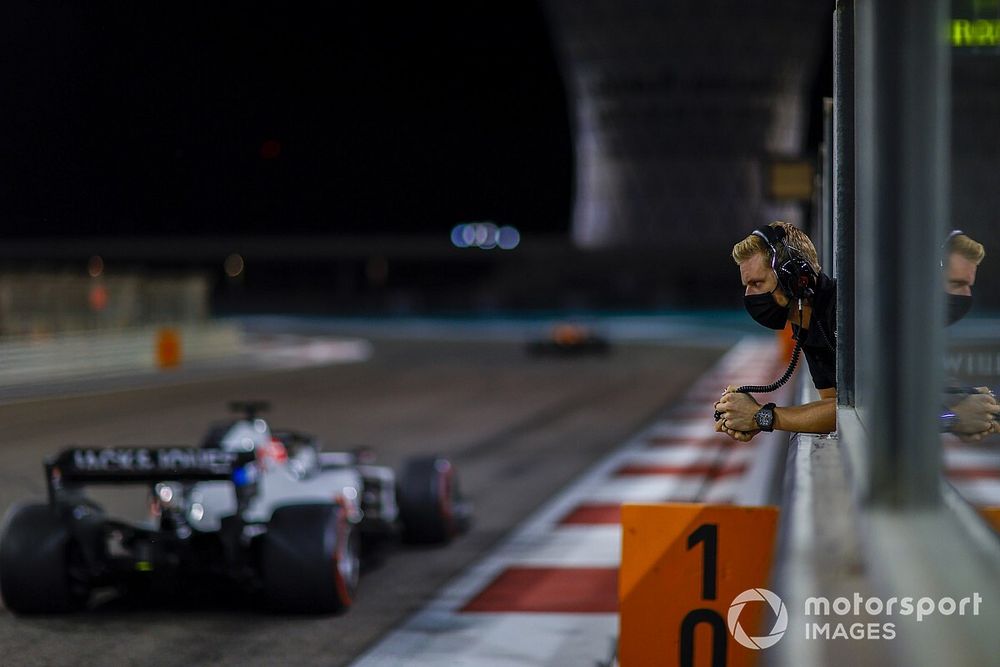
{"type": "Point", "coordinates": [971, 440]}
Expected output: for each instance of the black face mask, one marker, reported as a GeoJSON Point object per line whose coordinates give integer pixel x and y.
{"type": "Point", "coordinates": [766, 311]}
{"type": "Point", "coordinates": [958, 307]}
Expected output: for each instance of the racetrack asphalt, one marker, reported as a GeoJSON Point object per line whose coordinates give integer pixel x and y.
{"type": "Point", "coordinates": [518, 429]}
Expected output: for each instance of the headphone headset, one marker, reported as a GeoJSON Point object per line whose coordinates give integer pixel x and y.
{"type": "Point", "coordinates": [945, 247]}
{"type": "Point", "coordinates": [796, 276]}
{"type": "Point", "coordinates": [947, 242]}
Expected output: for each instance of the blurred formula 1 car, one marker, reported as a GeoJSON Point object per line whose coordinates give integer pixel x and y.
{"type": "Point", "coordinates": [264, 509]}
{"type": "Point", "coordinates": [570, 340]}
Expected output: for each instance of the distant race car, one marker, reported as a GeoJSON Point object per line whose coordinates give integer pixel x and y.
{"type": "Point", "coordinates": [266, 510]}
{"type": "Point", "coordinates": [570, 340]}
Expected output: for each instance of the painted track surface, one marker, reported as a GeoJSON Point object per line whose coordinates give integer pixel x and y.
{"type": "Point", "coordinates": [548, 595]}
{"type": "Point", "coordinates": [519, 430]}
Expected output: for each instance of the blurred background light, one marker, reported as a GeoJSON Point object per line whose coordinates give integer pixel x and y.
{"type": "Point", "coordinates": [488, 232]}
{"type": "Point", "coordinates": [270, 149]}
{"type": "Point", "coordinates": [481, 234]}
{"type": "Point", "coordinates": [508, 237]}
{"type": "Point", "coordinates": [468, 235]}
{"type": "Point", "coordinates": [233, 265]}
{"type": "Point", "coordinates": [458, 236]}
{"type": "Point", "coordinates": [97, 297]}
{"type": "Point", "coordinates": [485, 235]}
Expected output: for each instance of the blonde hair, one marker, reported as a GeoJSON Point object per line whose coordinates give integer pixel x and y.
{"type": "Point", "coordinates": [966, 247]}
{"type": "Point", "coordinates": [794, 237]}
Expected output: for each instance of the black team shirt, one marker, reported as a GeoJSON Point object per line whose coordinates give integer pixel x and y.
{"type": "Point", "coordinates": [820, 350]}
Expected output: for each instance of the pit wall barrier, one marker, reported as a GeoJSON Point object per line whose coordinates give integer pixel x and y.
{"type": "Point", "coordinates": [67, 356]}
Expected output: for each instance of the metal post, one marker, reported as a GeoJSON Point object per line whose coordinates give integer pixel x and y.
{"type": "Point", "coordinates": [902, 124]}
{"type": "Point", "coordinates": [826, 190]}
{"type": "Point", "coordinates": [843, 194]}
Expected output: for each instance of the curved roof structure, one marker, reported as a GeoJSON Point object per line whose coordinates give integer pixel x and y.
{"type": "Point", "coordinates": [678, 107]}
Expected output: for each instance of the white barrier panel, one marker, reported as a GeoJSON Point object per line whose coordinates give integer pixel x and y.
{"type": "Point", "coordinates": [24, 360]}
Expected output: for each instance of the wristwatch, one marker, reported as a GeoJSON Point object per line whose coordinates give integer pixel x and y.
{"type": "Point", "coordinates": [948, 422]}
{"type": "Point", "coordinates": [764, 418]}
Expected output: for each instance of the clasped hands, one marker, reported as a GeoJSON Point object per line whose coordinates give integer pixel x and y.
{"type": "Point", "coordinates": [736, 410]}
{"type": "Point", "coordinates": [976, 415]}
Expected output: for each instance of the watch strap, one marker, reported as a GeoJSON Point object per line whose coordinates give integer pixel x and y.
{"type": "Point", "coordinates": [948, 421]}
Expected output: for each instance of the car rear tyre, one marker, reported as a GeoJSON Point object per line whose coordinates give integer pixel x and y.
{"type": "Point", "coordinates": [310, 559]}
{"type": "Point", "coordinates": [430, 505]}
{"type": "Point", "coordinates": [36, 552]}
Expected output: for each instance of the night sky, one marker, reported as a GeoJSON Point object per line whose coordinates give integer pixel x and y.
{"type": "Point", "coordinates": [243, 118]}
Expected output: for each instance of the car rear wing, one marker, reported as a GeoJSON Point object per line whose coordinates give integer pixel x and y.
{"type": "Point", "coordinates": [129, 465]}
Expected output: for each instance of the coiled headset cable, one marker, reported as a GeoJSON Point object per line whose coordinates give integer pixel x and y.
{"type": "Point", "coordinates": [826, 338]}
{"type": "Point", "coordinates": [765, 389]}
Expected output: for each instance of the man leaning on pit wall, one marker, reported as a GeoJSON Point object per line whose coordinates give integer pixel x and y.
{"type": "Point", "coordinates": [783, 283]}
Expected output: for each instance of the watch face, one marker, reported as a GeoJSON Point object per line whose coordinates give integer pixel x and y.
{"type": "Point", "coordinates": [764, 417]}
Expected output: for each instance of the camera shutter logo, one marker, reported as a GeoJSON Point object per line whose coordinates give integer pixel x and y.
{"type": "Point", "coordinates": [780, 624]}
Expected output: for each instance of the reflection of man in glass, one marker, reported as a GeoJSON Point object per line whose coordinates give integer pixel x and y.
{"type": "Point", "coordinates": [974, 415]}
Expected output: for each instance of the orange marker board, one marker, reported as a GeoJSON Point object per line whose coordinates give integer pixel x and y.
{"type": "Point", "coordinates": [682, 567]}
{"type": "Point", "coordinates": [168, 348]}
{"type": "Point", "coordinates": [992, 516]}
